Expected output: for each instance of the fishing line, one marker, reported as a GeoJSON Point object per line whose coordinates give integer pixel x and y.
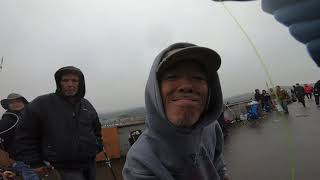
{"type": "Point", "coordinates": [266, 70]}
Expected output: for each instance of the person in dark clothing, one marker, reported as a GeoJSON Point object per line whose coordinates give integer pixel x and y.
{"type": "Point", "coordinates": [316, 92]}
{"type": "Point", "coordinates": [257, 95]}
{"type": "Point", "coordinates": [266, 98]}
{"type": "Point", "coordinates": [259, 98]}
{"type": "Point", "coordinates": [293, 94]}
{"type": "Point", "coordinates": [183, 140]}
{"type": "Point", "coordinates": [61, 128]}
{"type": "Point", "coordinates": [14, 105]}
{"type": "Point", "coordinates": [300, 94]}
{"type": "Point", "coordinates": [293, 90]}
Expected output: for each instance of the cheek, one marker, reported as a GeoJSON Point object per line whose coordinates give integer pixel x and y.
{"type": "Point", "coordinates": [63, 86]}
{"type": "Point", "coordinates": [204, 92]}
{"type": "Point", "coordinates": [164, 92]}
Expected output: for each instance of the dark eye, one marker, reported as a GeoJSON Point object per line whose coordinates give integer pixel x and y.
{"type": "Point", "coordinates": [170, 77]}
{"type": "Point", "coordinates": [199, 77]}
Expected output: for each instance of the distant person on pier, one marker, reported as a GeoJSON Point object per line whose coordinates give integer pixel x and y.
{"type": "Point", "coordinates": [259, 98]}
{"type": "Point", "coordinates": [316, 92]}
{"type": "Point", "coordinates": [300, 94]}
{"type": "Point", "coordinates": [266, 98]}
{"type": "Point", "coordinates": [308, 89]}
{"type": "Point", "coordinates": [283, 98]}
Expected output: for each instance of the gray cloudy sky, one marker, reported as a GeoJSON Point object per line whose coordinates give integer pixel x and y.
{"type": "Point", "coordinates": [114, 43]}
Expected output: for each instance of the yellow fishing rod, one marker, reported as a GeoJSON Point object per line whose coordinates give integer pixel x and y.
{"type": "Point", "coordinates": [267, 72]}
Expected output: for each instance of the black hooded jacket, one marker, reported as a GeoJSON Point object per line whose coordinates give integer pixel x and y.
{"type": "Point", "coordinates": [299, 92]}
{"type": "Point", "coordinates": [8, 123]}
{"type": "Point", "coordinates": [316, 88]}
{"type": "Point", "coordinates": [68, 135]}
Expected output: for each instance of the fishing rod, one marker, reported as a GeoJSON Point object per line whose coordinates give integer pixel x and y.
{"type": "Point", "coordinates": [108, 163]}
{"type": "Point", "coordinates": [1, 63]}
{"type": "Point", "coordinates": [267, 72]}
{"type": "Point", "coordinates": [234, 115]}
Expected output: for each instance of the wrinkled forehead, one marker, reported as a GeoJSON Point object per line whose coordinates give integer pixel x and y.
{"type": "Point", "coordinates": [187, 65]}
{"type": "Point", "coordinates": [19, 100]}
{"type": "Point", "coordinates": [70, 75]}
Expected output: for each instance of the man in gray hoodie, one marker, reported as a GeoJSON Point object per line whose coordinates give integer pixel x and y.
{"type": "Point", "coordinates": [183, 140]}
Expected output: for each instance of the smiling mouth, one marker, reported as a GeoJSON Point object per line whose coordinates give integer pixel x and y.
{"type": "Point", "coordinates": [185, 98]}
{"type": "Point", "coordinates": [185, 102]}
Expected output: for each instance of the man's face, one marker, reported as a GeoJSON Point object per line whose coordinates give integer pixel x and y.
{"type": "Point", "coordinates": [184, 92]}
{"type": "Point", "coordinates": [16, 105]}
{"type": "Point", "coordinates": [70, 84]}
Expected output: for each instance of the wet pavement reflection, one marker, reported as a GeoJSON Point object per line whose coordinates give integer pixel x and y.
{"type": "Point", "coordinates": [281, 146]}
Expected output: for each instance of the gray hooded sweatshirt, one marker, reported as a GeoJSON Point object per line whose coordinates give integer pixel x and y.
{"type": "Point", "coordinates": [167, 152]}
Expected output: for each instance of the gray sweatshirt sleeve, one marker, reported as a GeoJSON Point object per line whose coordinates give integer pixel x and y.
{"type": "Point", "coordinates": [219, 162]}
{"type": "Point", "coordinates": [142, 164]}
{"type": "Point", "coordinates": [129, 174]}
{"type": "Point", "coordinates": [134, 170]}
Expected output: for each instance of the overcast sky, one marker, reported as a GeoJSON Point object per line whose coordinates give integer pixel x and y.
{"type": "Point", "coordinates": [114, 43]}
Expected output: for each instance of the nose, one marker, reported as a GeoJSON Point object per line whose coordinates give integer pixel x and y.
{"type": "Point", "coordinates": [185, 85]}
{"type": "Point", "coordinates": [70, 83]}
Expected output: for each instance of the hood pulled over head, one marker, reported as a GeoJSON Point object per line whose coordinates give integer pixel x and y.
{"type": "Point", "coordinates": [70, 70]}
{"type": "Point", "coordinates": [210, 60]}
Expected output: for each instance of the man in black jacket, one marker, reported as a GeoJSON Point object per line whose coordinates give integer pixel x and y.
{"type": "Point", "coordinates": [300, 94]}
{"type": "Point", "coordinates": [316, 92]}
{"type": "Point", "coordinates": [62, 128]}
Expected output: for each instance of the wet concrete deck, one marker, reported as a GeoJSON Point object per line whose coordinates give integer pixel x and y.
{"type": "Point", "coordinates": [280, 147]}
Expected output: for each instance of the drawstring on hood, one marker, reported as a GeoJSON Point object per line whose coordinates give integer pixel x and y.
{"type": "Point", "coordinates": [70, 70]}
